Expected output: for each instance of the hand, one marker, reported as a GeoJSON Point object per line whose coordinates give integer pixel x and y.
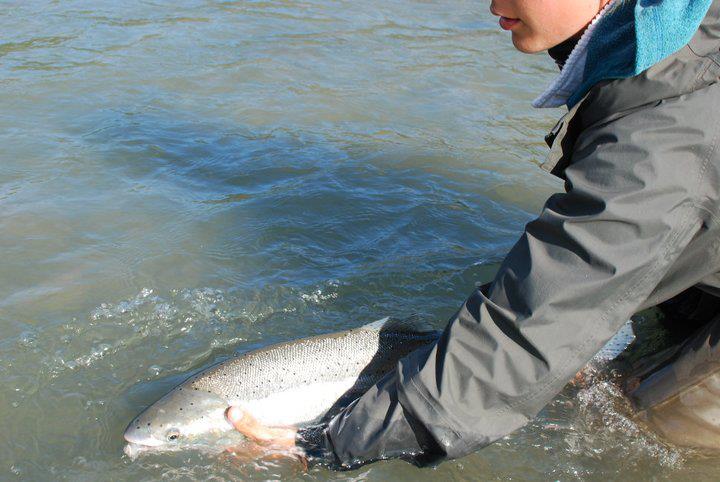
{"type": "Point", "coordinates": [272, 437]}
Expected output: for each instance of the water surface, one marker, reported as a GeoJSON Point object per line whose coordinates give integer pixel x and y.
{"type": "Point", "coordinates": [183, 180]}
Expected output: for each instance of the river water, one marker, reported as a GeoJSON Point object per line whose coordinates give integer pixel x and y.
{"type": "Point", "coordinates": [180, 181]}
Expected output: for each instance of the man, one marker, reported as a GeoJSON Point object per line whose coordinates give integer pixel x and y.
{"type": "Point", "coordinates": [638, 224]}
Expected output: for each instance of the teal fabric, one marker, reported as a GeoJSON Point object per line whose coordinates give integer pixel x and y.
{"type": "Point", "coordinates": [637, 34]}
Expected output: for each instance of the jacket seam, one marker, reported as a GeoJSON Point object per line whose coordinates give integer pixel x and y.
{"type": "Point", "coordinates": [527, 397]}
{"type": "Point", "coordinates": [701, 74]}
{"type": "Point", "coordinates": [672, 241]}
{"type": "Point", "coordinates": [706, 161]}
{"type": "Point", "coordinates": [605, 315]}
{"type": "Point", "coordinates": [624, 113]}
{"type": "Point", "coordinates": [710, 56]}
{"type": "Point", "coordinates": [432, 406]}
{"type": "Point", "coordinates": [682, 227]}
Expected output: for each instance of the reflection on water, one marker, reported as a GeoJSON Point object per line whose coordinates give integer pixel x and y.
{"type": "Point", "coordinates": [182, 181]}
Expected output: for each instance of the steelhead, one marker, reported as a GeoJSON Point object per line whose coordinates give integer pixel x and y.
{"type": "Point", "coordinates": [293, 383]}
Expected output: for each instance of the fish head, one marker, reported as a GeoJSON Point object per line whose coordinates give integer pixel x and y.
{"type": "Point", "coordinates": [182, 418]}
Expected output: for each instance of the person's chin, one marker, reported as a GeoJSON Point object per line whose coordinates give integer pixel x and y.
{"type": "Point", "coordinates": [527, 45]}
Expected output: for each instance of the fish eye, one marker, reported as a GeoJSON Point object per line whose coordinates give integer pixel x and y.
{"type": "Point", "coordinates": [172, 435]}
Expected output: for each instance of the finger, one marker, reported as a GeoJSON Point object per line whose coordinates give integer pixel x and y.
{"type": "Point", "coordinates": [236, 416]}
{"type": "Point", "coordinates": [247, 425]}
{"type": "Point", "coordinates": [244, 423]}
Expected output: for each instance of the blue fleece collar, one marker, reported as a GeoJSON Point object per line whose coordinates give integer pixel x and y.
{"type": "Point", "coordinates": [635, 35]}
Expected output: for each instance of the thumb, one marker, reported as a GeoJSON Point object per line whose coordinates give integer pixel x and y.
{"type": "Point", "coordinates": [235, 416]}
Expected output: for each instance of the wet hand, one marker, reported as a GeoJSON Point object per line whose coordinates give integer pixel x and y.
{"type": "Point", "coordinates": [268, 442]}
{"type": "Point", "coordinates": [278, 438]}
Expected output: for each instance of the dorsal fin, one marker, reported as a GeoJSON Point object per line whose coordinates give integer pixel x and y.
{"type": "Point", "coordinates": [411, 324]}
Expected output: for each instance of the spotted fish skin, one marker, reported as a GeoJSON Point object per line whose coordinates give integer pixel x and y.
{"type": "Point", "coordinates": [291, 383]}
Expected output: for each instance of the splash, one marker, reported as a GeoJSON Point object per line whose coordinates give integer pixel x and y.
{"type": "Point", "coordinates": [193, 321]}
{"type": "Point", "coordinates": [109, 310]}
{"type": "Point", "coordinates": [606, 424]}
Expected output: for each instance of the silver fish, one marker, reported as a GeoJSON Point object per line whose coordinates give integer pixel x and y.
{"type": "Point", "coordinates": [293, 383]}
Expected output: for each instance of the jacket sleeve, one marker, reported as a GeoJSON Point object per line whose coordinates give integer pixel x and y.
{"type": "Point", "coordinates": [579, 270]}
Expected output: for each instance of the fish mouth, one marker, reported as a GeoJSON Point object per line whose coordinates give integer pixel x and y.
{"type": "Point", "coordinates": [135, 439]}
{"type": "Point", "coordinates": [133, 450]}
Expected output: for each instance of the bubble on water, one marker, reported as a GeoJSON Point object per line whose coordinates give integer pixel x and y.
{"type": "Point", "coordinates": [320, 295]}
{"type": "Point", "coordinates": [185, 320]}
{"type": "Point", "coordinates": [154, 370]}
{"type": "Point", "coordinates": [204, 301]}
{"type": "Point", "coordinates": [27, 339]}
{"type": "Point", "coordinates": [165, 311]}
{"type": "Point", "coordinates": [89, 404]}
{"type": "Point", "coordinates": [97, 353]}
{"type": "Point", "coordinates": [218, 343]}
{"type": "Point", "coordinates": [109, 311]}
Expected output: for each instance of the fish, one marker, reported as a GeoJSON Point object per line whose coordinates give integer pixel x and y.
{"type": "Point", "coordinates": [296, 383]}
{"type": "Point", "coordinates": [616, 345]}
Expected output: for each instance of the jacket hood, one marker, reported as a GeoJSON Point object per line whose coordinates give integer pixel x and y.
{"type": "Point", "coordinates": [625, 38]}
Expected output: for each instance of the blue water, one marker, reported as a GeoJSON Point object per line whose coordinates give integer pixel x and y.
{"type": "Point", "coordinates": [180, 181]}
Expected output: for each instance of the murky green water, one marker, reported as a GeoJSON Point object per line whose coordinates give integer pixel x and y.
{"type": "Point", "coordinates": [181, 180]}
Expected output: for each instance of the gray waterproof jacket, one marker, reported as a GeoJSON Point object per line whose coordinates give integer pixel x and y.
{"type": "Point", "coordinates": [637, 224]}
